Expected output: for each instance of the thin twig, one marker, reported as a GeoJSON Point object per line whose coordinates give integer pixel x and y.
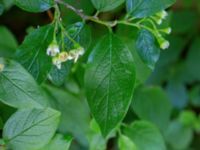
{"type": "Point", "coordinates": [80, 13]}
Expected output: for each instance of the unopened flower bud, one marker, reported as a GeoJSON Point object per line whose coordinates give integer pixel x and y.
{"type": "Point", "coordinates": [166, 30]}
{"type": "Point", "coordinates": [163, 14]}
{"type": "Point", "coordinates": [157, 19]}
{"type": "Point", "coordinates": [164, 44]}
{"type": "Point", "coordinates": [53, 49]}
{"type": "Point", "coordinates": [57, 62]}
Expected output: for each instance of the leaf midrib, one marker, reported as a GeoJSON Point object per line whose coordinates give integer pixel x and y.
{"type": "Point", "coordinates": [23, 131]}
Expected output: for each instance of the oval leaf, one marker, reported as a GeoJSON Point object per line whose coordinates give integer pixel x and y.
{"type": "Point", "coordinates": [18, 88]}
{"type": "Point", "coordinates": [34, 5]}
{"type": "Point", "coordinates": [145, 8]}
{"type": "Point", "coordinates": [152, 104]}
{"type": "Point", "coordinates": [109, 80]}
{"type": "Point", "coordinates": [147, 49]}
{"type": "Point", "coordinates": [106, 5]}
{"type": "Point", "coordinates": [145, 136]}
{"type": "Point", "coordinates": [32, 53]}
{"type": "Point", "coordinates": [30, 129]}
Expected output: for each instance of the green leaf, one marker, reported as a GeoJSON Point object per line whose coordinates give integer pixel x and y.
{"type": "Point", "coordinates": [95, 138]}
{"type": "Point", "coordinates": [8, 43]}
{"type": "Point", "coordinates": [1, 9]}
{"type": "Point", "coordinates": [34, 5]}
{"type": "Point", "coordinates": [1, 123]}
{"type": "Point", "coordinates": [178, 136]}
{"type": "Point", "coordinates": [194, 96]}
{"type": "Point", "coordinates": [147, 49]}
{"type": "Point", "coordinates": [59, 142]}
{"type": "Point", "coordinates": [32, 53]}
{"type": "Point", "coordinates": [30, 129]}
{"type": "Point", "coordinates": [58, 76]}
{"type": "Point", "coordinates": [145, 8]}
{"type": "Point", "coordinates": [193, 61]}
{"type": "Point", "coordinates": [177, 93]}
{"type": "Point", "coordinates": [152, 104]}
{"type": "Point", "coordinates": [75, 114]}
{"type": "Point", "coordinates": [142, 70]}
{"type": "Point", "coordinates": [109, 81]}
{"type": "Point", "coordinates": [8, 3]}
{"type": "Point", "coordinates": [125, 143]}
{"type": "Point", "coordinates": [81, 33]}
{"type": "Point", "coordinates": [145, 136]}
{"type": "Point", "coordinates": [18, 88]}
{"type": "Point", "coordinates": [106, 5]}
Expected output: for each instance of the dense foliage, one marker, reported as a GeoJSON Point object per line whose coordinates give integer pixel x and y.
{"type": "Point", "coordinates": [99, 74]}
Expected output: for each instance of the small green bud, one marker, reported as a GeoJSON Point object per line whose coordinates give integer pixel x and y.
{"type": "Point", "coordinates": [162, 15]}
{"type": "Point", "coordinates": [164, 44]}
{"type": "Point", "coordinates": [158, 20]}
{"type": "Point", "coordinates": [167, 30]}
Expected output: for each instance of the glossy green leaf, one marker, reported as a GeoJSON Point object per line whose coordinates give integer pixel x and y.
{"type": "Point", "coordinates": [8, 43]}
{"type": "Point", "coordinates": [147, 49]}
{"type": "Point", "coordinates": [18, 88]}
{"type": "Point", "coordinates": [152, 104]}
{"type": "Point", "coordinates": [109, 81]}
{"type": "Point", "coordinates": [106, 5]}
{"type": "Point", "coordinates": [142, 70]}
{"type": "Point", "coordinates": [125, 143]}
{"type": "Point", "coordinates": [145, 8]}
{"type": "Point", "coordinates": [145, 136]}
{"type": "Point", "coordinates": [32, 53]}
{"type": "Point", "coordinates": [30, 129]}
{"type": "Point", "coordinates": [34, 5]}
{"type": "Point", "coordinates": [59, 142]}
{"type": "Point", "coordinates": [58, 76]}
{"type": "Point", "coordinates": [81, 33]}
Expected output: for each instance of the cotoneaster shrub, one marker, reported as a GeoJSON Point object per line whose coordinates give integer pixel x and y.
{"type": "Point", "coordinates": [79, 84]}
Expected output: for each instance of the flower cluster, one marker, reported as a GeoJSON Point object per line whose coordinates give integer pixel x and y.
{"type": "Point", "coordinates": [158, 18]}
{"type": "Point", "coordinates": [60, 57]}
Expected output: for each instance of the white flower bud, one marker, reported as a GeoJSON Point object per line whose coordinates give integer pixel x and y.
{"type": "Point", "coordinates": [76, 53]}
{"type": "Point", "coordinates": [57, 62]}
{"type": "Point", "coordinates": [81, 51]}
{"type": "Point", "coordinates": [53, 49]}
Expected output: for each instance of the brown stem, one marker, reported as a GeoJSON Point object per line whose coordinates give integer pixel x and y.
{"type": "Point", "coordinates": [49, 13]}
{"type": "Point", "coordinates": [80, 13]}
